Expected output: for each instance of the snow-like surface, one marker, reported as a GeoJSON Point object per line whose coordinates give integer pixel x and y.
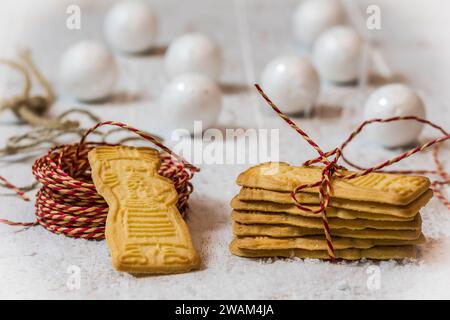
{"type": "Point", "coordinates": [37, 264]}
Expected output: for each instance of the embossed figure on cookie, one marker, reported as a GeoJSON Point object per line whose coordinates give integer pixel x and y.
{"type": "Point", "coordinates": [144, 229]}
{"type": "Point", "coordinates": [376, 186]}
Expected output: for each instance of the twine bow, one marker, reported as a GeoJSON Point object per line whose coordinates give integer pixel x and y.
{"type": "Point", "coordinates": [331, 167]}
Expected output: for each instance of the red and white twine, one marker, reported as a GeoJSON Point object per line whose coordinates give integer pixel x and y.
{"type": "Point", "coordinates": [331, 168]}
{"type": "Point", "coordinates": [68, 202]}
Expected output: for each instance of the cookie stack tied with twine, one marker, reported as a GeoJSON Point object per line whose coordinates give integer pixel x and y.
{"type": "Point", "coordinates": [328, 212]}
{"type": "Point", "coordinates": [373, 216]}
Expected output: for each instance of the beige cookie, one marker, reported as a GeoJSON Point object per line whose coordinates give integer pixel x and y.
{"type": "Point", "coordinates": [374, 187]}
{"type": "Point", "coordinates": [285, 202]}
{"type": "Point", "coordinates": [258, 217]}
{"type": "Point", "coordinates": [145, 232]}
{"type": "Point", "coordinates": [279, 231]}
{"type": "Point", "coordinates": [318, 243]}
{"type": "Point", "coordinates": [375, 253]}
{"type": "Point", "coordinates": [346, 214]}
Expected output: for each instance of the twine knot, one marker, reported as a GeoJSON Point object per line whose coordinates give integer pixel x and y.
{"type": "Point", "coordinates": [38, 104]}
{"type": "Point", "coordinates": [30, 108]}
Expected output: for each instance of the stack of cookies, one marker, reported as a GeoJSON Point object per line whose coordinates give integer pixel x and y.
{"type": "Point", "coordinates": [375, 216]}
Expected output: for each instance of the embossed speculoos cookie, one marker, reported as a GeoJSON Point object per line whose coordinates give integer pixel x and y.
{"type": "Point", "coordinates": [283, 201]}
{"type": "Point", "coordinates": [332, 212]}
{"type": "Point", "coordinates": [255, 217]}
{"type": "Point", "coordinates": [375, 253]}
{"type": "Point", "coordinates": [374, 187]}
{"type": "Point", "coordinates": [281, 231]}
{"type": "Point", "coordinates": [145, 232]}
{"type": "Point", "coordinates": [318, 243]}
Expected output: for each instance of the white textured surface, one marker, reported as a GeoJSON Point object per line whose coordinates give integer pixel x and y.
{"type": "Point", "coordinates": [33, 263]}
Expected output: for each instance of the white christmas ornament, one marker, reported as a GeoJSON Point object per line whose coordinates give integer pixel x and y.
{"type": "Point", "coordinates": [292, 83]}
{"type": "Point", "coordinates": [312, 17]}
{"type": "Point", "coordinates": [189, 98]}
{"type": "Point", "coordinates": [194, 53]}
{"type": "Point", "coordinates": [88, 71]}
{"type": "Point", "coordinates": [337, 54]}
{"type": "Point", "coordinates": [391, 101]}
{"type": "Point", "coordinates": [131, 26]}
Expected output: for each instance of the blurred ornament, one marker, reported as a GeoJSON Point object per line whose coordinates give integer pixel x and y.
{"type": "Point", "coordinates": [312, 17]}
{"type": "Point", "coordinates": [196, 53]}
{"type": "Point", "coordinates": [88, 71]}
{"type": "Point", "coordinates": [292, 82]}
{"type": "Point", "coordinates": [189, 98]}
{"type": "Point", "coordinates": [337, 54]}
{"type": "Point", "coordinates": [131, 26]}
{"type": "Point", "coordinates": [394, 100]}
{"type": "Point", "coordinates": [19, 21]}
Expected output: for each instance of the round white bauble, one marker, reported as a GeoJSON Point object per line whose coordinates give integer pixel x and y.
{"type": "Point", "coordinates": [389, 101]}
{"type": "Point", "coordinates": [337, 54]}
{"type": "Point", "coordinates": [191, 97]}
{"type": "Point", "coordinates": [312, 17]}
{"type": "Point", "coordinates": [292, 83]}
{"type": "Point", "coordinates": [131, 26]}
{"type": "Point", "coordinates": [88, 71]}
{"type": "Point", "coordinates": [194, 53]}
